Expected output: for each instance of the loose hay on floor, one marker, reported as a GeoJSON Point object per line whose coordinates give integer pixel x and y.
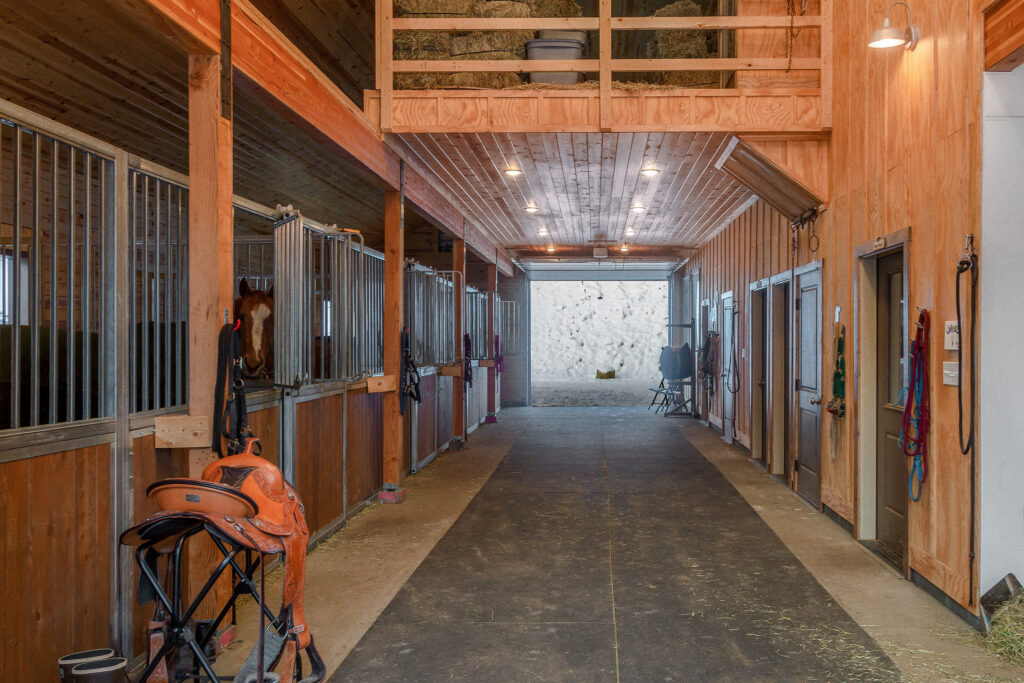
{"type": "Point", "coordinates": [1007, 636]}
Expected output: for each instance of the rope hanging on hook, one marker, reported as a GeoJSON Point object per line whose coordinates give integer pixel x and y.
{"type": "Point", "coordinates": [917, 411]}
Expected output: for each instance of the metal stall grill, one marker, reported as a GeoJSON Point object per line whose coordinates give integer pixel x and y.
{"type": "Point", "coordinates": [476, 324]}
{"type": "Point", "coordinates": [367, 356]}
{"type": "Point", "coordinates": [430, 315]}
{"type": "Point", "coordinates": [56, 280]}
{"type": "Point", "coordinates": [510, 317]}
{"type": "Point", "coordinates": [158, 292]}
{"type": "Point", "coordinates": [254, 261]}
{"type": "Point", "coordinates": [316, 268]}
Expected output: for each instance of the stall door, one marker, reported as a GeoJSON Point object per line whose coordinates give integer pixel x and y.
{"type": "Point", "coordinates": [891, 467]}
{"type": "Point", "coordinates": [809, 387]}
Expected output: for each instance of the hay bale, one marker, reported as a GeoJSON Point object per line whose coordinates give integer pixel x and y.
{"type": "Point", "coordinates": [491, 44]}
{"type": "Point", "coordinates": [680, 44]}
{"type": "Point", "coordinates": [555, 8]}
{"type": "Point", "coordinates": [433, 8]}
{"type": "Point", "coordinates": [691, 79]}
{"type": "Point", "coordinates": [422, 45]}
{"type": "Point", "coordinates": [501, 8]}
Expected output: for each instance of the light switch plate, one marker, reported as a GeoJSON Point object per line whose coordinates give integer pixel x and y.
{"type": "Point", "coordinates": [952, 335]}
{"type": "Point", "coordinates": [950, 373]}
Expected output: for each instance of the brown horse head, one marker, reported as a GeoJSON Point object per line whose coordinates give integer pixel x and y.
{"type": "Point", "coordinates": [255, 309]}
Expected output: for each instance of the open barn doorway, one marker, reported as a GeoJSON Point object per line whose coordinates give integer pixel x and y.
{"type": "Point", "coordinates": [596, 343]}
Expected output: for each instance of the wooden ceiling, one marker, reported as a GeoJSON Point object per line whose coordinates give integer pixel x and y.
{"type": "Point", "coordinates": [95, 67]}
{"type": "Point", "coordinates": [585, 185]}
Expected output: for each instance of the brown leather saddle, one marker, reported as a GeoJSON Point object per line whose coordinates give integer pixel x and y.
{"type": "Point", "coordinates": [246, 506]}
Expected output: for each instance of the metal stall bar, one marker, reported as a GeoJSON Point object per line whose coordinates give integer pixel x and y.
{"type": "Point", "coordinates": [14, 272]}
{"type": "Point", "coordinates": [33, 266]}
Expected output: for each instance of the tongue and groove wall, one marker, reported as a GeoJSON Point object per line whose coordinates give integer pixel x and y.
{"type": "Point", "coordinates": [904, 152]}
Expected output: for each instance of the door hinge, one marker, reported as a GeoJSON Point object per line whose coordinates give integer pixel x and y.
{"type": "Point", "coordinates": [796, 304]}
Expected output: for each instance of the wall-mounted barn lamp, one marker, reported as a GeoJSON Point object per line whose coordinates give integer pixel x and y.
{"type": "Point", "coordinates": [551, 248]}
{"type": "Point", "coordinates": [893, 36]}
{"type": "Point", "coordinates": [624, 248]}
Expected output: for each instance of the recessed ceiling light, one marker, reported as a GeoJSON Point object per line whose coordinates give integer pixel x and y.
{"type": "Point", "coordinates": [513, 171]}
{"type": "Point", "coordinates": [551, 248]}
{"type": "Point", "coordinates": [630, 231]}
{"type": "Point", "coordinates": [542, 232]}
{"type": "Point", "coordinates": [649, 171]}
{"type": "Point", "coordinates": [531, 208]}
{"type": "Point", "coordinates": [637, 207]}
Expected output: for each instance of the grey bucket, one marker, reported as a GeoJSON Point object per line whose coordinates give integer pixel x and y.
{"type": "Point", "coordinates": [548, 48]}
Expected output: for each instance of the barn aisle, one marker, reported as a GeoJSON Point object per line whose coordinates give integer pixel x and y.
{"type": "Point", "coordinates": [606, 547]}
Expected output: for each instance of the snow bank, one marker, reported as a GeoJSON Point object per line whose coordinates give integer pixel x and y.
{"type": "Point", "coordinates": [578, 328]}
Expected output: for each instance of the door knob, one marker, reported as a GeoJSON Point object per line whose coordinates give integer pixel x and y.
{"type": "Point", "coordinates": [816, 401]}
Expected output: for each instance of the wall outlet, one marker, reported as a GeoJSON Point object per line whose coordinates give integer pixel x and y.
{"type": "Point", "coordinates": [950, 374]}
{"type": "Point", "coordinates": [952, 334]}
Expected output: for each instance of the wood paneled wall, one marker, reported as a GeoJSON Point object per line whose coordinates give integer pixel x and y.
{"type": "Point", "coordinates": [55, 560]}
{"type": "Point", "coordinates": [266, 424]}
{"type": "Point", "coordinates": [318, 459]}
{"type": "Point", "coordinates": [365, 445]}
{"type": "Point", "coordinates": [757, 245]}
{"type": "Point", "coordinates": [905, 152]}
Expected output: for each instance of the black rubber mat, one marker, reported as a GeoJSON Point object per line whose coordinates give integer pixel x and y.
{"type": "Point", "coordinates": [606, 548]}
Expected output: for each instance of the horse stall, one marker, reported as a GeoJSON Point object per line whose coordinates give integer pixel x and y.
{"type": "Point", "coordinates": [430, 319]}
{"type": "Point", "coordinates": [478, 355]}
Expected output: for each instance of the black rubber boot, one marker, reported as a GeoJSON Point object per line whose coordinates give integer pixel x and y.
{"type": "Point", "coordinates": [69, 662]}
{"type": "Point", "coordinates": [110, 670]}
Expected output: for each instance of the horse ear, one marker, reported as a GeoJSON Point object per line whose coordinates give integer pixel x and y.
{"type": "Point", "coordinates": [243, 287]}
{"type": "Point", "coordinates": [270, 292]}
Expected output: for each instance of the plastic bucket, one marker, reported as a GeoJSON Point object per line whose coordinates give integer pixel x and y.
{"type": "Point", "coordinates": [556, 34]}
{"type": "Point", "coordinates": [554, 48]}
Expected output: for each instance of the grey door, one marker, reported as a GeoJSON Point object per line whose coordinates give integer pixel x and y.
{"type": "Point", "coordinates": [891, 464]}
{"type": "Point", "coordinates": [808, 463]}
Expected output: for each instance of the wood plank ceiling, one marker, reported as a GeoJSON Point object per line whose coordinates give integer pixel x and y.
{"type": "Point", "coordinates": [586, 185]}
{"type": "Point", "coordinates": [95, 67]}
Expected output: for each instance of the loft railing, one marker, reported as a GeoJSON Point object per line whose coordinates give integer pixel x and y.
{"type": "Point", "coordinates": [605, 65]}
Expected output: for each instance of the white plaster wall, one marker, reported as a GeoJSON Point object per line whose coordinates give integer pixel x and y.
{"type": "Point", "coordinates": [578, 328]}
{"type": "Point", "coordinates": [1001, 445]}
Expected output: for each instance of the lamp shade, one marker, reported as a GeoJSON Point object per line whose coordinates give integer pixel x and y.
{"type": "Point", "coordinates": [888, 36]}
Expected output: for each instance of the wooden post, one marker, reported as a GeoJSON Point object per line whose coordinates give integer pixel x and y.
{"type": "Point", "coordinates": [492, 372]}
{"type": "Point", "coordinates": [459, 384]}
{"type": "Point", "coordinates": [605, 69]}
{"type": "Point", "coordinates": [394, 261]}
{"type": "Point", "coordinates": [210, 263]}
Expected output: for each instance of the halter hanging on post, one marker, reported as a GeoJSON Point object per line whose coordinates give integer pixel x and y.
{"type": "Point", "coordinates": [917, 412]}
{"type": "Point", "coordinates": [410, 376]}
{"type": "Point", "coordinates": [467, 371]}
{"type": "Point", "coordinates": [233, 423]}
{"type": "Point", "coordinates": [837, 405]}
{"type": "Point", "coordinates": [499, 357]}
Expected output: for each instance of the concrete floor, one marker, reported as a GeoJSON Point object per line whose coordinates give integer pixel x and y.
{"type": "Point", "coordinates": [567, 531]}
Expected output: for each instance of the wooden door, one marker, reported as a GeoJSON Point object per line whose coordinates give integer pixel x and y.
{"type": "Point", "coordinates": [759, 374]}
{"type": "Point", "coordinates": [808, 464]}
{"type": "Point", "coordinates": [891, 464]}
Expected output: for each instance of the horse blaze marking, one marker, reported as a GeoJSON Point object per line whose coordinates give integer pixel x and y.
{"type": "Point", "coordinates": [259, 314]}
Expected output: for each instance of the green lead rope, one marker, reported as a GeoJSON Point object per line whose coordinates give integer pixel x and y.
{"type": "Point", "coordinates": [837, 406]}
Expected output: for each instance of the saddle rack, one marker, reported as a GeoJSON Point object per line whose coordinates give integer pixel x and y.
{"type": "Point", "coordinates": [244, 506]}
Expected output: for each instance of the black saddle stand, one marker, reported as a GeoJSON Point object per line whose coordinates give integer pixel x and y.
{"type": "Point", "coordinates": [172, 608]}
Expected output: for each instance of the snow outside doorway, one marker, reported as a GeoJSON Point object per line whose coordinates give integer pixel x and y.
{"type": "Point", "coordinates": [580, 328]}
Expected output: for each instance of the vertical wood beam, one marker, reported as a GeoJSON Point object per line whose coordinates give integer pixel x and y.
{"type": "Point", "coordinates": [459, 384]}
{"type": "Point", "coordinates": [210, 263]}
{"type": "Point", "coordinates": [605, 63]}
{"type": "Point", "coordinates": [492, 372]}
{"type": "Point", "coordinates": [827, 57]}
{"type": "Point", "coordinates": [394, 260]}
{"type": "Point", "coordinates": [383, 42]}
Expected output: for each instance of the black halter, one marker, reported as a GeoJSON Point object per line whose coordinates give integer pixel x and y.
{"type": "Point", "coordinates": [233, 423]}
